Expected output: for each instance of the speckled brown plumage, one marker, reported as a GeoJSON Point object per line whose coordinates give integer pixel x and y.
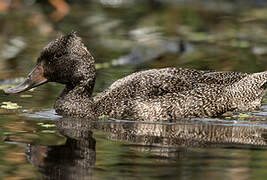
{"type": "Point", "coordinates": [152, 95]}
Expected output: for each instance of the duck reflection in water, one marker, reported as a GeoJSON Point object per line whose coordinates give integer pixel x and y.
{"type": "Point", "coordinates": [170, 142]}
{"type": "Point", "coordinates": [73, 160]}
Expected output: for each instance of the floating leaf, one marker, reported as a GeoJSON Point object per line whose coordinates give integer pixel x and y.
{"type": "Point", "coordinates": [243, 115]}
{"type": "Point", "coordinates": [48, 131]}
{"type": "Point", "coordinates": [9, 133]}
{"type": "Point", "coordinates": [102, 65]}
{"type": "Point", "coordinates": [103, 117]}
{"type": "Point", "coordinates": [25, 96]}
{"type": "Point", "coordinates": [10, 105]}
{"type": "Point", "coordinates": [48, 125]}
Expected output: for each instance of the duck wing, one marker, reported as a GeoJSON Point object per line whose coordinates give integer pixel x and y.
{"type": "Point", "coordinates": [153, 82]}
{"type": "Point", "coordinates": [221, 78]}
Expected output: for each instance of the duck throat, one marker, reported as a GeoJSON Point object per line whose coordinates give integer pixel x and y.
{"type": "Point", "coordinates": [76, 101]}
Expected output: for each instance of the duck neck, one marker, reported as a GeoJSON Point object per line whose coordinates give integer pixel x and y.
{"type": "Point", "coordinates": [76, 100]}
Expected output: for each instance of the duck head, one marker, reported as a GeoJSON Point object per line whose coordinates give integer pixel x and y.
{"type": "Point", "coordinates": [65, 60]}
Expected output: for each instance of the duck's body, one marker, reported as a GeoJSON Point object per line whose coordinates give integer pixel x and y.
{"type": "Point", "coordinates": [165, 94]}
{"type": "Point", "coordinates": [152, 95]}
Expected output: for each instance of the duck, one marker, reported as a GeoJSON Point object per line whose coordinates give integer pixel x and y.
{"type": "Point", "coordinates": [165, 94]}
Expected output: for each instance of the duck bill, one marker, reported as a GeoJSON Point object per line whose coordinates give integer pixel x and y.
{"type": "Point", "coordinates": [34, 79]}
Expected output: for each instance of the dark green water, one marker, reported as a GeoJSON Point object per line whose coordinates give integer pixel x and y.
{"type": "Point", "coordinates": [127, 37]}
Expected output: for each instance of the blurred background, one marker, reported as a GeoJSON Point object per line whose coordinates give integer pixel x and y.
{"type": "Point", "coordinates": [220, 35]}
{"type": "Point", "coordinates": [126, 36]}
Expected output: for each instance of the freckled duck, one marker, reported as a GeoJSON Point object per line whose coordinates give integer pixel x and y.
{"type": "Point", "coordinates": [151, 95]}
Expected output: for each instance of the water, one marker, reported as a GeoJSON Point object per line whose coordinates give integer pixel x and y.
{"type": "Point", "coordinates": [125, 37]}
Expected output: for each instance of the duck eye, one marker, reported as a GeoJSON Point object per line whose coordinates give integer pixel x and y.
{"type": "Point", "coordinates": [58, 55]}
